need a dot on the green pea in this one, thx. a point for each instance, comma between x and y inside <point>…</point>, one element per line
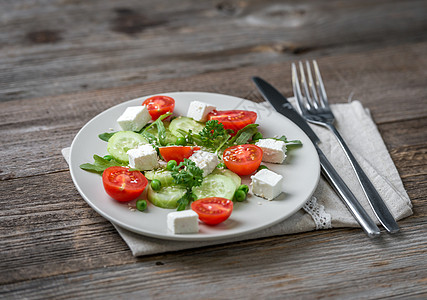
<point>141,205</point>
<point>262,167</point>
<point>244,188</point>
<point>108,157</point>
<point>257,136</point>
<point>156,184</point>
<point>240,195</point>
<point>171,165</point>
<point>181,141</point>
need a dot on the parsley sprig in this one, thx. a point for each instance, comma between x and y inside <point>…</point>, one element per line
<point>212,131</point>
<point>188,175</point>
<point>212,137</point>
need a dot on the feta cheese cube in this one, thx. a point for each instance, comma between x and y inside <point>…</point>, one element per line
<point>274,151</point>
<point>185,221</point>
<point>134,118</point>
<point>143,158</point>
<point>267,184</point>
<point>199,111</point>
<point>206,161</point>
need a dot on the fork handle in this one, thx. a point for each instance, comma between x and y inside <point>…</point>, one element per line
<point>356,209</point>
<point>377,204</point>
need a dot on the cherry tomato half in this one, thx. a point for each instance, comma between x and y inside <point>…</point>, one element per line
<point>159,105</point>
<point>122,184</point>
<point>233,119</point>
<point>243,159</point>
<point>177,153</point>
<point>213,210</point>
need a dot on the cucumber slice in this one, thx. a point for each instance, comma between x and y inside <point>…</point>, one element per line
<point>236,178</point>
<point>216,185</point>
<point>166,197</point>
<point>185,124</point>
<point>164,176</point>
<point>123,141</point>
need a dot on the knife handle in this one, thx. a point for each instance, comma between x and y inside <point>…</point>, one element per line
<point>356,209</point>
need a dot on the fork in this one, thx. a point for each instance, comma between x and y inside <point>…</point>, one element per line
<point>314,107</point>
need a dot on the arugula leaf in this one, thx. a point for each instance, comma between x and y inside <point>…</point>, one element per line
<point>191,138</point>
<point>243,135</point>
<point>106,136</point>
<point>151,138</point>
<point>161,131</point>
<point>188,175</point>
<point>100,164</point>
<point>289,144</point>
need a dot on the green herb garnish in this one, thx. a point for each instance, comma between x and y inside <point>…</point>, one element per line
<point>188,175</point>
<point>160,139</point>
<point>212,131</point>
<point>212,137</point>
<point>100,164</point>
<point>106,136</point>
<point>289,144</point>
<point>244,135</point>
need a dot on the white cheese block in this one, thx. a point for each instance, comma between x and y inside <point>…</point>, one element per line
<point>274,151</point>
<point>134,118</point>
<point>185,221</point>
<point>267,184</point>
<point>206,161</point>
<point>143,158</point>
<point>199,111</point>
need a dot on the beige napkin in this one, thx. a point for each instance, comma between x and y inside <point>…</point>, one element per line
<point>324,210</point>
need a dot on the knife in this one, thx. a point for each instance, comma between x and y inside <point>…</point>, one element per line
<point>282,105</point>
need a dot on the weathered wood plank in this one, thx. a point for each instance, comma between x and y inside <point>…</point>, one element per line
<point>64,61</point>
<point>284,266</point>
<point>80,45</point>
<point>50,221</point>
<point>46,125</point>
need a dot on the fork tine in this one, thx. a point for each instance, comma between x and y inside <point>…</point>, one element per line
<point>315,100</point>
<point>303,81</point>
<point>297,89</point>
<point>320,86</point>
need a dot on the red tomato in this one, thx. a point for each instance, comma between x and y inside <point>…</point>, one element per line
<point>122,184</point>
<point>213,210</point>
<point>233,119</point>
<point>177,153</point>
<point>159,105</point>
<point>243,159</point>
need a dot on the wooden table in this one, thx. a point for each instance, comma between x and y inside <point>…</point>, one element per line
<point>62,62</point>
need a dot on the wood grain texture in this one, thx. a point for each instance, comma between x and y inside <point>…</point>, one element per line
<point>52,47</point>
<point>62,62</point>
<point>50,123</point>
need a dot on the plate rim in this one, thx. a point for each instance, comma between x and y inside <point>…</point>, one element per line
<point>189,237</point>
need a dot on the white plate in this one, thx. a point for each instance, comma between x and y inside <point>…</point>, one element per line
<point>301,172</point>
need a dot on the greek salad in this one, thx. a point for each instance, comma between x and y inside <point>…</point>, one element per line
<point>194,161</point>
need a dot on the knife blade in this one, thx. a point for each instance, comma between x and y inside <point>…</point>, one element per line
<point>282,105</point>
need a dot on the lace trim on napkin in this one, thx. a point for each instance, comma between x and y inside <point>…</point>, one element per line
<point>317,211</point>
